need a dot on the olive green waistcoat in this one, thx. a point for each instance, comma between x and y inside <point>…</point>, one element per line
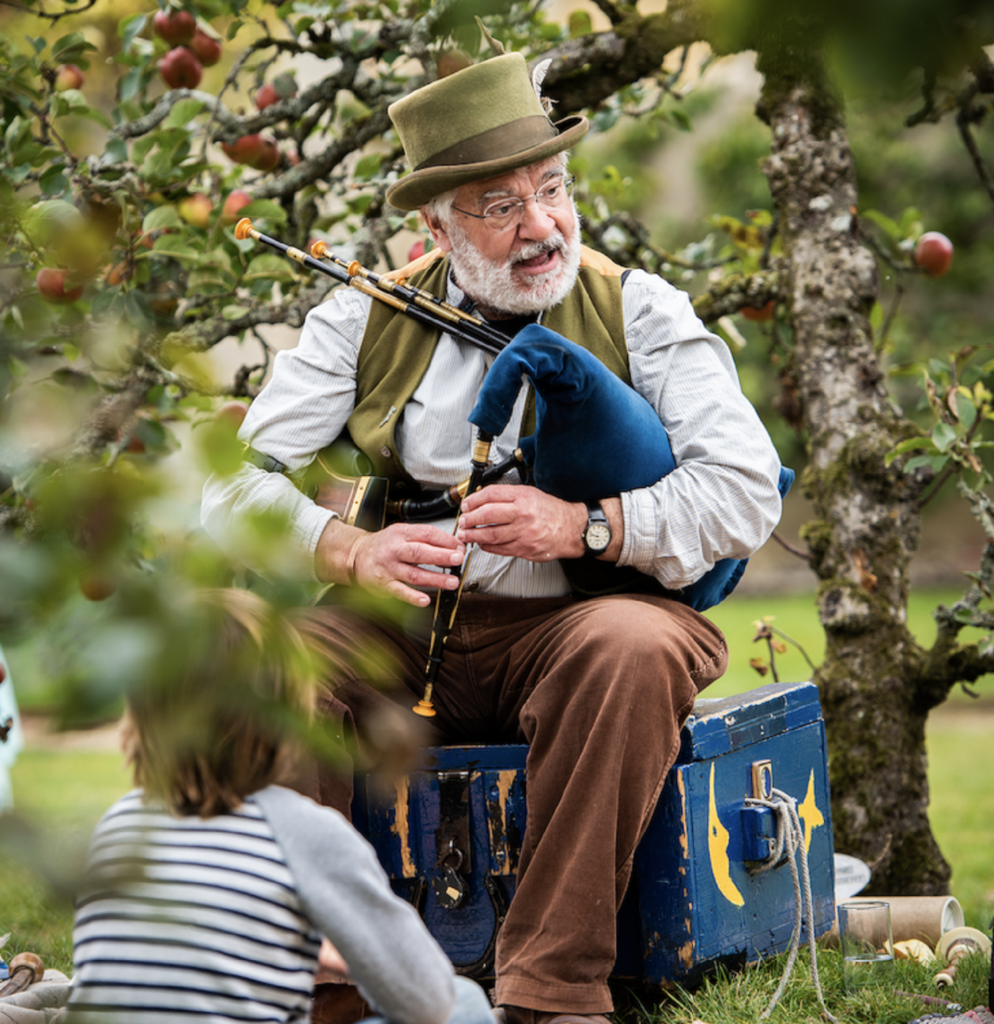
<point>396,350</point>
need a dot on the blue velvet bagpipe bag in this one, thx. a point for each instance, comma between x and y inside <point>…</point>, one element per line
<point>595,436</point>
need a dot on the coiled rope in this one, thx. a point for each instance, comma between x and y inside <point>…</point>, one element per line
<point>790,842</point>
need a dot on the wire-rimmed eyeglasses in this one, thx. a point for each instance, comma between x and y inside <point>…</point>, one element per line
<point>507,212</point>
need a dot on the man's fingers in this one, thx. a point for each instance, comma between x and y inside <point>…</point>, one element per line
<point>420,578</point>
<point>427,554</point>
<point>490,498</point>
<point>391,561</point>
<point>423,533</point>
<point>490,493</point>
<point>410,544</point>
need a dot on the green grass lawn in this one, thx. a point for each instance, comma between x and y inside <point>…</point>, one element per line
<point>797,616</point>
<point>62,792</point>
<point>59,796</point>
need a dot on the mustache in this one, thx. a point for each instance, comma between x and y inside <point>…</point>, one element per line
<point>529,252</point>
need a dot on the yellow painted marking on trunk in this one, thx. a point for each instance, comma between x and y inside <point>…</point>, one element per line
<point>402,826</point>
<point>683,837</point>
<point>809,814</point>
<point>718,852</point>
<point>499,846</point>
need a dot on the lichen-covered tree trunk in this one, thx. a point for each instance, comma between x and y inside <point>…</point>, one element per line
<point>867,525</point>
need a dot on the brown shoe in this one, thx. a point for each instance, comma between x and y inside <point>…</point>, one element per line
<point>338,1004</point>
<point>572,1018</point>
<point>522,1015</point>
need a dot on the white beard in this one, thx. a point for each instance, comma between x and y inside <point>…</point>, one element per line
<point>491,282</point>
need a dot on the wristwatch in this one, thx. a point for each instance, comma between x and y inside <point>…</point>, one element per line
<point>597,535</point>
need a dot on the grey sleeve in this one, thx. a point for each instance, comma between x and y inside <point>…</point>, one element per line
<point>399,968</point>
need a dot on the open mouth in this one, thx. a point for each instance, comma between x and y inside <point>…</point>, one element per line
<point>544,260</point>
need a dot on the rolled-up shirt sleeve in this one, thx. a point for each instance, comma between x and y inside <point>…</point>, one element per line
<point>301,410</point>
<point>722,499</point>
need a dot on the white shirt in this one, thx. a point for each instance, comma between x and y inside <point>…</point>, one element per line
<point>720,502</point>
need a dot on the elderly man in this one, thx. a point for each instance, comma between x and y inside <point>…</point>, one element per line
<point>598,687</point>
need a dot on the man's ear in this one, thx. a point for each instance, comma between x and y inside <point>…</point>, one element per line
<point>436,229</point>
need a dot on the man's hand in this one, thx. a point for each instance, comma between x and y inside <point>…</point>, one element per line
<point>525,522</point>
<point>389,560</point>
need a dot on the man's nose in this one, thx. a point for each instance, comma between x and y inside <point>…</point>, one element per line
<point>536,221</point>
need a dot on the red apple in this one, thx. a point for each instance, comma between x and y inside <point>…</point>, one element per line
<point>256,151</point>
<point>181,69</point>
<point>266,96</point>
<point>451,61</point>
<point>176,27</point>
<point>96,586</point>
<point>282,87</point>
<point>269,158</point>
<point>68,76</point>
<point>232,413</point>
<point>117,274</point>
<point>196,210</point>
<point>207,48</point>
<point>934,253</point>
<point>135,445</point>
<point>416,251</point>
<point>51,283</point>
<point>234,202</point>
<point>243,150</point>
<point>763,313</point>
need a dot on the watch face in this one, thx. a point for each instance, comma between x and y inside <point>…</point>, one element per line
<point>598,536</point>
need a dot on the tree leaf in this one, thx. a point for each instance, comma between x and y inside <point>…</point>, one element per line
<point>966,409</point>
<point>182,113</point>
<point>938,463</point>
<point>52,217</point>
<point>129,28</point>
<point>161,217</point>
<point>265,209</point>
<point>909,445</point>
<point>885,223</point>
<point>943,435</point>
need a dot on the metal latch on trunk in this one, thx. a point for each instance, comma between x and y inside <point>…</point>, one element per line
<point>453,841</point>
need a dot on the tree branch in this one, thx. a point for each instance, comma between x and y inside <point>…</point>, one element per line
<point>806,555</point>
<point>731,293</point>
<point>53,18</point>
<point>948,663</point>
<point>587,70</point>
<point>969,114</point>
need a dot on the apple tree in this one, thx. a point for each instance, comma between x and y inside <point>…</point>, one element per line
<point>129,153</point>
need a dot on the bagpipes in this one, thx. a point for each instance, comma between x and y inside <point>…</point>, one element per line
<point>595,436</point>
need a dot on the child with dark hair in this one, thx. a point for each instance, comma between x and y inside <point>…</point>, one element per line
<point>209,890</point>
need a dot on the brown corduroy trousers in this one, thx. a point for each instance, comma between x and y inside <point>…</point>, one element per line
<point>599,690</point>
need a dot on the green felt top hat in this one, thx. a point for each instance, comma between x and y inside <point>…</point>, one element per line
<point>481,121</point>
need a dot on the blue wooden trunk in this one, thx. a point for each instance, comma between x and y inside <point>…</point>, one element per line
<point>449,834</point>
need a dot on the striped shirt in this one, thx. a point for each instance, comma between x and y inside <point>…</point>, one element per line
<point>720,502</point>
<point>184,918</point>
